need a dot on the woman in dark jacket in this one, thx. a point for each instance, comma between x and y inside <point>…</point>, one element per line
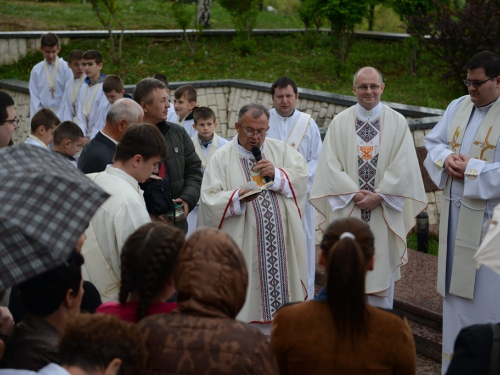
<point>202,335</point>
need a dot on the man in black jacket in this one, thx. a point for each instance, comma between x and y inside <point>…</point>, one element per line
<point>181,169</point>
<point>99,152</point>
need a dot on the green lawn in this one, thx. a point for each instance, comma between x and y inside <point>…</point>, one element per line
<point>294,56</point>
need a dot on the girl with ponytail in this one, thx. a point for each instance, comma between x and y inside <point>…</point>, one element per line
<point>147,263</point>
<point>338,332</point>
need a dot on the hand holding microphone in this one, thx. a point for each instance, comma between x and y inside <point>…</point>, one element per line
<point>264,166</point>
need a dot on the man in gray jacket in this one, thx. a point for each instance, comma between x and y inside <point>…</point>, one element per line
<point>181,169</point>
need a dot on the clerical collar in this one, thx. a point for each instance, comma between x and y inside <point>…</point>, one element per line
<point>486,108</point>
<point>285,117</point>
<point>243,151</point>
<point>206,144</point>
<point>369,114</point>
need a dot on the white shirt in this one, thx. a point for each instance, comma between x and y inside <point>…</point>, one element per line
<point>66,111</point>
<point>100,104</point>
<point>50,369</point>
<point>40,94</point>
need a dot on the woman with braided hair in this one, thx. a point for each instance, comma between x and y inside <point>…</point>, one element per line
<point>339,332</point>
<point>147,263</point>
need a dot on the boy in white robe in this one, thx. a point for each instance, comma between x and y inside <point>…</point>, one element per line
<point>91,99</point>
<point>266,226</point>
<point>48,77</point>
<point>184,105</point>
<point>67,111</point>
<point>206,142</point>
<point>43,125</point>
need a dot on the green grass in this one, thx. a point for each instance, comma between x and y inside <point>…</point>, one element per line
<point>294,56</point>
<point>411,241</point>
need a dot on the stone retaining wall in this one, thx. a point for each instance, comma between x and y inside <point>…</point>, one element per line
<point>226,97</point>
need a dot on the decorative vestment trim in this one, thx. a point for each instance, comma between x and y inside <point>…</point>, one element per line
<point>299,130</point>
<point>228,205</point>
<point>470,220</point>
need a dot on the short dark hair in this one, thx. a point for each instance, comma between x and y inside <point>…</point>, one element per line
<point>44,117</point>
<point>161,77</point>
<point>203,113</point>
<point>91,342</point>
<point>67,130</point>
<point>186,90</point>
<point>5,101</point>
<point>145,140</point>
<point>49,40</point>
<point>43,294</point>
<point>144,90</point>
<point>487,60</point>
<point>255,110</point>
<point>76,54</point>
<point>93,54</point>
<point>112,82</point>
<point>282,83</point>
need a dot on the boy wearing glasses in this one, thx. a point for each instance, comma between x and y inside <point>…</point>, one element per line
<point>368,168</point>
<point>8,119</point>
<point>464,160</point>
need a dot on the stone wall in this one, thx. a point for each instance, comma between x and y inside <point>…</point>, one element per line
<point>228,96</point>
<point>15,48</point>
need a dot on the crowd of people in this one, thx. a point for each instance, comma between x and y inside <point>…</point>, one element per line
<point>202,259</point>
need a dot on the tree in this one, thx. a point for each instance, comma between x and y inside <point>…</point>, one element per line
<point>409,8</point>
<point>203,13</point>
<point>311,15</point>
<point>183,19</point>
<point>244,17</point>
<point>455,33</point>
<point>107,12</point>
<point>343,15</point>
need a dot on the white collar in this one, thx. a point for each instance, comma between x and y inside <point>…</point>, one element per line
<point>486,108</point>
<point>369,114</point>
<point>107,136</point>
<point>244,152</point>
<point>285,118</point>
<point>122,174</point>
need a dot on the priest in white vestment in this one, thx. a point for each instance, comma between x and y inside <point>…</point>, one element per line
<point>299,131</point>
<point>368,168</point>
<point>464,160</point>
<point>266,226</point>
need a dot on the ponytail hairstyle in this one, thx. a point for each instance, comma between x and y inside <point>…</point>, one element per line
<point>347,259</point>
<point>147,261</point>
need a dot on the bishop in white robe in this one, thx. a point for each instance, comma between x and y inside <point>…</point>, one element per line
<point>266,226</point>
<point>368,155</point>
<point>467,137</point>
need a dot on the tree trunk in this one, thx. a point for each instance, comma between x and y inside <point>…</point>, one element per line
<point>203,14</point>
<point>371,17</point>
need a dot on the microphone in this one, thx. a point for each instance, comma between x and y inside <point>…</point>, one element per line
<point>258,156</point>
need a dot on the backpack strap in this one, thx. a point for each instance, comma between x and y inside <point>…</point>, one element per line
<point>495,350</point>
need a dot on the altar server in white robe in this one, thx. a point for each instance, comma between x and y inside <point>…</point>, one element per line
<point>464,160</point>
<point>298,130</point>
<point>67,111</point>
<point>368,168</point>
<point>48,77</point>
<point>206,142</point>
<point>266,226</point>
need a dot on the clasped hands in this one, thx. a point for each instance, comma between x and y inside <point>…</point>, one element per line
<point>367,200</point>
<point>455,165</point>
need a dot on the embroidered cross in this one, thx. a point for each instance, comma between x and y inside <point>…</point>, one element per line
<point>52,91</point>
<point>454,143</point>
<point>485,145</point>
<point>367,152</point>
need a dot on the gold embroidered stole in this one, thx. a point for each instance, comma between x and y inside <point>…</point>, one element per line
<point>299,131</point>
<point>470,220</point>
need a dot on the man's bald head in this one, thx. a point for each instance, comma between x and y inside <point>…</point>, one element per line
<point>368,87</point>
<point>365,70</point>
<point>124,109</point>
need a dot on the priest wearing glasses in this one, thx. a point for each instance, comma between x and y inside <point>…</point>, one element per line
<point>464,160</point>
<point>368,169</point>
<point>267,225</point>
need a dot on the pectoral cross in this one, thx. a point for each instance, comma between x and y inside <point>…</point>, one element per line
<point>52,90</point>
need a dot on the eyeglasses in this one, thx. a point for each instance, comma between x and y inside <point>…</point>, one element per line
<point>16,120</point>
<point>365,87</point>
<point>475,83</point>
<point>257,133</point>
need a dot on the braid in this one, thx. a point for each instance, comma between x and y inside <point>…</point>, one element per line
<point>158,269</point>
<point>147,261</point>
